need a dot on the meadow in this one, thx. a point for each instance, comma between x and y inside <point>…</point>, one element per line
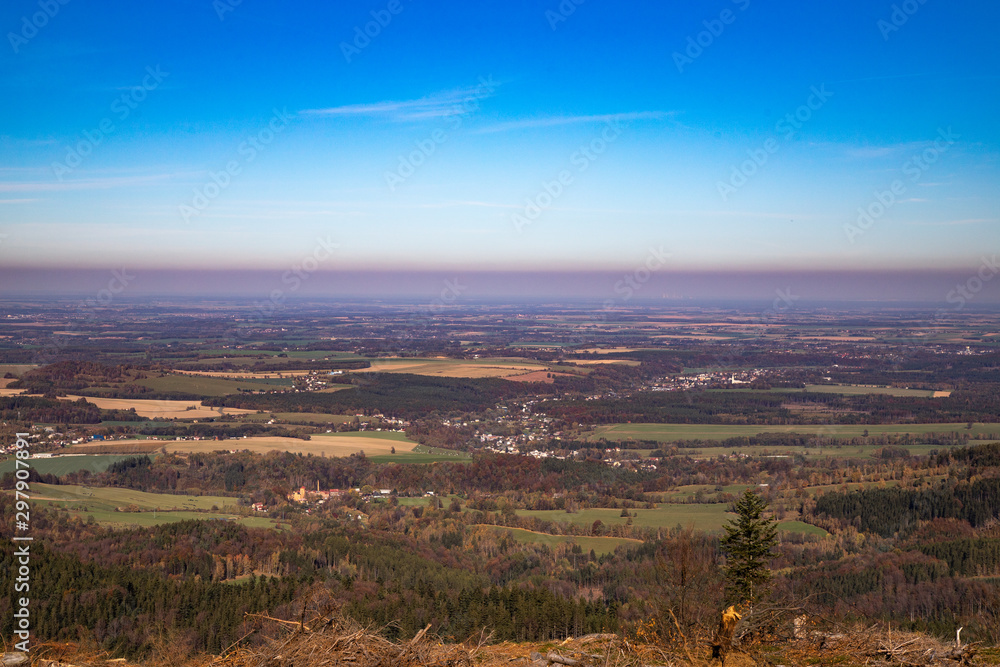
<point>857,390</point>
<point>155,509</point>
<point>372,443</point>
<point>599,545</point>
<point>304,417</point>
<point>422,454</point>
<point>159,409</point>
<point>501,367</point>
<point>63,465</point>
<point>674,432</point>
<point>206,385</point>
<point>708,517</point>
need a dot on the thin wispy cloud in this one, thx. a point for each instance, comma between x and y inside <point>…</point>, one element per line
<point>964,221</point>
<point>869,152</point>
<point>438,105</point>
<point>555,121</point>
<point>82,184</point>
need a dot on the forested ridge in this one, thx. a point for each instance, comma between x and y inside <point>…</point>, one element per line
<point>40,410</point>
<point>392,394</point>
<point>747,406</point>
<point>892,510</point>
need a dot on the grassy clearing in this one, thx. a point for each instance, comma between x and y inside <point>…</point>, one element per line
<point>687,493</point>
<point>703,517</point>
<point>138,425</point>
<point>465,368</point>
<point>372,443</point>
<point>154,508</point>
<point>63,465</point>
<point>673,432</point>
<point>422,454</point>
<point>156,409</point>
<point>211,386</point>
<point>304,418</point>
<point>707,517</point>
<point>425,501</point>
<point>855,390</point>
<point>109,498</point>
<point>813,453</point>
<point>597,362</point>
<point>599,545</point>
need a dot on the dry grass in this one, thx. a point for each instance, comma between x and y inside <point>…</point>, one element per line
<point>452,368</point>
<point>326,638</point>
<point>244,376</point>
<point>537,376</point>
<point>164,409</point>
<point>593,362</point>
<point>330,639</point>
<point>318,446</point>
<point>877,645</point>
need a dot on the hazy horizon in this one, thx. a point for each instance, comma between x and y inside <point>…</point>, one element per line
<point>947,290</point>
<point>729,150</point>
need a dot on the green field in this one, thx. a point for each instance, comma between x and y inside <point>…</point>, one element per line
<point>702,517</point>
<point>63,465</point>
<point>673,432</point>
<point>837,451</point>
<point>855,390</point>
<point>707,517</point>
<point>251,357</point>
<point>155,508</point>
<point>304,417</point>
<point>599,545</point>
<point>139,425</point>
<point>447,367</point>
<point>211,386</point>
<point>112,497</point>
<point>422,454</point>
<point>373,435</point>
<point>686,493</point>
<point>425,501</point>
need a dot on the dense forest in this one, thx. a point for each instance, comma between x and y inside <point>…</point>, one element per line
<point>39,410</point>
<point>746,406</point>
<point>392,394</point>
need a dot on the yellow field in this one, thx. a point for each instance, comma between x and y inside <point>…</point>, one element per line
<point>320,445</point>
<point>243,376</point>
<point>455,368</point>
<point>591,362</point>
<point>693,337</point>
<point>160,409</point>
<point>942,394</point>
<point>837,338</point>
<point>10,392</point>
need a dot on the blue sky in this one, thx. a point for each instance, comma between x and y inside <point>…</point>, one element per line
<point>500,136</point>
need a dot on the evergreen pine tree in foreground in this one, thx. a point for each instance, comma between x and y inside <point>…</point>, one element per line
<point>749,546</point>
